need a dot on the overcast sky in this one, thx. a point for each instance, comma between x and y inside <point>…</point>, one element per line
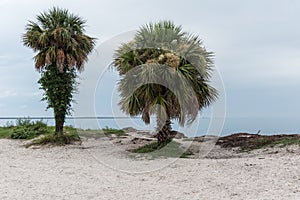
<point>256,45</point>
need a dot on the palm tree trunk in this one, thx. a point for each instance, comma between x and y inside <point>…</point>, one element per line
<point>163,131</point>
<point>59,125</point>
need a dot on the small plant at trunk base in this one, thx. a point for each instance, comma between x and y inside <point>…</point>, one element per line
<point>57,140</point>
<point>169,149</point>
<point>62,49</point>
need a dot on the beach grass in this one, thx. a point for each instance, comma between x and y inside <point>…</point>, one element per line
<point>172,149</point>
<point>5,132</point>
<point>249,142</point>
<point>264,143</point>
<point>286,142</point>
<point>100,133</point>
<point>111,131</point>
<point>67,138</point>
<point>40,133</point>
<point>70,136</point>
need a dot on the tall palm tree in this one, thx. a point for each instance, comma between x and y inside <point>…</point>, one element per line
<point>164,71</point>
<point>62,49</point>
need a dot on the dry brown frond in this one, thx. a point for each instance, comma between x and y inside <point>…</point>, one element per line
<point>60,59</point>
<point>152,60</point>
<point>39,62</point>
<point>71,62</point>
<point>79,64</point>
<point>48,59</point>
<point>172,60</point>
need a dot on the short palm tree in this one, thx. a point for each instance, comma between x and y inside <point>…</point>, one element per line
<point>62,49</point>
<point>166,72</point>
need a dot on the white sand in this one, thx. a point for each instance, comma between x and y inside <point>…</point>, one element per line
<point>86,173</point>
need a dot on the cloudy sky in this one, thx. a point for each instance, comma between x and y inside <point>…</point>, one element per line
<point>256,45</point>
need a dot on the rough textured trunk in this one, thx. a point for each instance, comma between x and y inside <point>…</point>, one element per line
<point>59,125</point>
<point>163,131</point>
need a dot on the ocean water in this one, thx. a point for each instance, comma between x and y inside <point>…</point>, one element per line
<point>201,126</point>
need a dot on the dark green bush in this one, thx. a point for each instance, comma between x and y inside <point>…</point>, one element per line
<point>26,129</point>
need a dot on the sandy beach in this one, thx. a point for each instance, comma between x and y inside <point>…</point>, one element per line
<point>95,170</point>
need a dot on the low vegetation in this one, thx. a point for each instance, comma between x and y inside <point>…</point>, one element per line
<point>248,142</point>
<point>172,149</point>
<point>100,133</point>
<point>57,140</point>
<point>70,136</point>
<point>41,134</point>
<point>111,131</point>
<point>5,132</point>
<point>26,129</point>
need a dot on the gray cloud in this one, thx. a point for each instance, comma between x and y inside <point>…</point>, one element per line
<point>256,44</point>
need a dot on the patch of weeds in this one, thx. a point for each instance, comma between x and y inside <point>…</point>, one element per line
<point>5,132</point>
<point>111,131</point>
<point>287,141</point>
<point>265,143</point>
<point>56,140</point>
<point>148,148</point>
<point>89,133</point>
<point>257,143</point>
<point>247,142</point>
<point>69,128</point>
<point>171,149</point>
<point>187,154</point>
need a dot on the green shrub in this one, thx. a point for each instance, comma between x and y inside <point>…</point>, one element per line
<point>26,129</point>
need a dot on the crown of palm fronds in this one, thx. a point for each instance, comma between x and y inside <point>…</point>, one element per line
<point>59,39</point>
<point>182,88</point>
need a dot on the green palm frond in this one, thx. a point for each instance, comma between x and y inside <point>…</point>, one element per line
<point>59,35</point>
<point>165,66</point>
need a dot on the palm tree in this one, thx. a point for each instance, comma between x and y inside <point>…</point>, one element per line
<point>62,49</point>
<point>164,71</point>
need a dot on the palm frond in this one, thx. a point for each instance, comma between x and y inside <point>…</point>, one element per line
<point>168,67</point>
<point>60,36</point>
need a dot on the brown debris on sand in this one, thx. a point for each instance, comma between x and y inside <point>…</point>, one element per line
<point>219,147</point>
<point>246,141</point>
